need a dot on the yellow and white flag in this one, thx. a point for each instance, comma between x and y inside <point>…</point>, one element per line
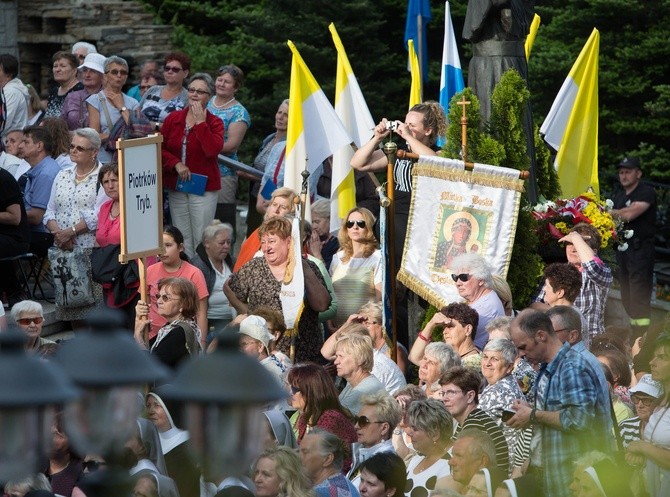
<point>415,88</point>
<point>314,130</point>
<point>571,127</point>
<point>350,106</point>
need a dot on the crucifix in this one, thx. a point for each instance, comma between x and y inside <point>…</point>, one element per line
<point>464,129</point>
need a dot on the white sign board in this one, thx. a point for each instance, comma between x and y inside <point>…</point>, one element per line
<point>141,197</point>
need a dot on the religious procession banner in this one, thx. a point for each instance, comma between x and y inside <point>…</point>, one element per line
<point>453,212</point>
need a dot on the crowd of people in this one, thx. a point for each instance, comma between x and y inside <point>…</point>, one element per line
<point>484,400</point>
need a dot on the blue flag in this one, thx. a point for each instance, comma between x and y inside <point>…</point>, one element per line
<point>451,79</point>
<point>418,15</point>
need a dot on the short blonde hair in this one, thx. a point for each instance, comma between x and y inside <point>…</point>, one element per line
<point>359,347</point>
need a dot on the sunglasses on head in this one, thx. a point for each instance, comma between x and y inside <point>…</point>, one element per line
<point>27,321</point>
<point>463,277</point>
<point>363,421</point>
<point>360,224</point>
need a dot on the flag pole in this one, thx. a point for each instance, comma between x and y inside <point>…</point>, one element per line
<point>469,166</point>
<point>419,25</point>
<point>301,200</point>
<point>390,150</point>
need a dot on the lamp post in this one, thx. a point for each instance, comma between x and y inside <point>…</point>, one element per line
<point>223,394</point>
<point>30,388</point>
<point>106,363</point>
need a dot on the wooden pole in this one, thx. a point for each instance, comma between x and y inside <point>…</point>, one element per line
<point>390,149</point>
<point>469,166</point>
<point>464,129</point>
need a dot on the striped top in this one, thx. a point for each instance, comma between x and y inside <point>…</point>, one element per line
<point>630,430</point>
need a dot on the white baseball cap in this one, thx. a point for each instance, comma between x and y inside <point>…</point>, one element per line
<point>649,386</point>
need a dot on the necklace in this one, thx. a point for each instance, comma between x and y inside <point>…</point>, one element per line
<point>81,177</point>
<point>474,349</point>
<point>223,104</point>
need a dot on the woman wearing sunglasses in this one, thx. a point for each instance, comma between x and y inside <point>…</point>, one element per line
<point>356,269</point>
<point>29,316</point>
<point>159,101</point>
<point>177,301</point>
<point>192,141</point>
<point>378,417</point>
<point>111,104</point>
<point>473,278</point>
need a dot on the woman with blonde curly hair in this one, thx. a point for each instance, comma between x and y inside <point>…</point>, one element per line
<point>278,472</point>
<point>356,269</point>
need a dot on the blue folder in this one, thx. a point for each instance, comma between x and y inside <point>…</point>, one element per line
<point>196,185</point>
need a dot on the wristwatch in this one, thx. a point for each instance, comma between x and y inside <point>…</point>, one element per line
<point>123,109</point>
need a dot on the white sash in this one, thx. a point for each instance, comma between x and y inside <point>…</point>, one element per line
<point>292,291</point>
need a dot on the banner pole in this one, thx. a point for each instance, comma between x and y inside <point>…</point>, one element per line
<point>390,149</point>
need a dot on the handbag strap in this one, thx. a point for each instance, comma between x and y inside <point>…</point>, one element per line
<point>103,100</point>
<point>278,166</point>
<point>617,432</point>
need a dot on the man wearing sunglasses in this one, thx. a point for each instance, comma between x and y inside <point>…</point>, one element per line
<point>29,317</point>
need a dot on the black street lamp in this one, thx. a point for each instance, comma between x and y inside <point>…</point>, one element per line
<point>106,363</point>
<point>30,391</point>
<point>224,394</point>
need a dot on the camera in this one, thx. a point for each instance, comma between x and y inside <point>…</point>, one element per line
<point>507,414</point>
<point>392,126</point>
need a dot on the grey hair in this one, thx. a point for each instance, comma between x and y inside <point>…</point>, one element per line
<point>321,208</point>
<point>330,444</point>
<point>445,355</point>
<point>284,102</point>
<point>28,306</point>
<point>500,323</point>
<point>387,409</point>
<point>431,416</point>
<point>90,134</point>
<point>372,309</point>
<point>84,44</point>
<point>507,349</point>
<point>203,76</point>
<point>481,445</point>
<point>36,481</point>
<point>214,228</point>
<point>476,265</point>
<point>115,59</point>
<point>569,318</point>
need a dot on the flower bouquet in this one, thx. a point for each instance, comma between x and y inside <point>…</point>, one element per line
<point>556,219</point>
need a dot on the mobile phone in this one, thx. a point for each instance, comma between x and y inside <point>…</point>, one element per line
<point>507,414</point>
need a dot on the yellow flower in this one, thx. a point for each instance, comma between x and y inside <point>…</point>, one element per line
<point>562,227</point>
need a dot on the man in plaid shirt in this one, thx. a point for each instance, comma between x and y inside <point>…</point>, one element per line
<point>571,413</point>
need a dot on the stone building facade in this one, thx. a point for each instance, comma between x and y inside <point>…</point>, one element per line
<point>43,27</point>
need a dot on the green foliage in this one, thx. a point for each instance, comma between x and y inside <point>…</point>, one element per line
<point>508,102</point>
<point>547,177</point>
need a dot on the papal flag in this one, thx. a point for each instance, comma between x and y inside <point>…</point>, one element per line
<point>530,39</point>
<point>571,127</point>
<point>415,88</point>
<point>350,106</point>
<point>314,130</point>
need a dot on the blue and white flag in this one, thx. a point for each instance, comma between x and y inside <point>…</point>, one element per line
<point>451,80</point>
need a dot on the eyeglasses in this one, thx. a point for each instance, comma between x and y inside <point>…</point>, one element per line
<point>172,69</point>
<point>93,465</point>
<point>463,277</point>
<point>80,57</point>
<point>116,72</point>
<point>360,224</point>
<point>363,421</point>
<point>560,330</point>
<point>450,393</point>
<point>295,390</point>
<point>646,401</point>
<point>27,321</point>
<point>199,92</point>
<point>164,297</point>
<point>79,148</point>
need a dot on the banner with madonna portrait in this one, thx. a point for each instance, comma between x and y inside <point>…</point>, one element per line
<point>453,212</point>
